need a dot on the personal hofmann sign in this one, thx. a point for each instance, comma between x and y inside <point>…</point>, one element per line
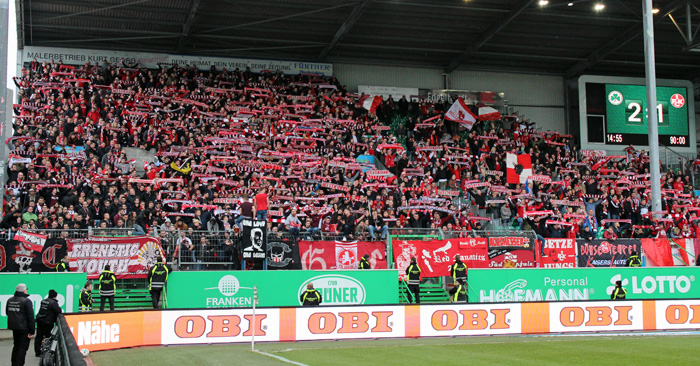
<point>226,289</point>
<point>563,284</point>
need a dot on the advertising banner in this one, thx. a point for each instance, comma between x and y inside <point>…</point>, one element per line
<point>77,56</point>
<point>225,289</point>
<point>559,253</point>
<point>254,239</point>
<point>18,256</point>
<point>67,285</point>
<point>582,284</point>
<point>103,331</point>
<point>606,253</point>
<point>436,256</point>
<point>341,255</point>
<point>128,257</point>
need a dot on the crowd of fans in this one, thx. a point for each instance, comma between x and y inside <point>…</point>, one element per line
<point>306,153</point>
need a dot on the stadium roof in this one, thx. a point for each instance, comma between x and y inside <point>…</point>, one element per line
<point>565,37</point>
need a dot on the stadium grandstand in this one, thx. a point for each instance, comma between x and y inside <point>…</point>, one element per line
<point>233,138</point>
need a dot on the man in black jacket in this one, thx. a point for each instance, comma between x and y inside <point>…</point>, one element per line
<point>107,282</point>
<point>45,320</point>
<point>63,265</point>
<point>157,278</point>
<point>20,319</point>
<point>311,297</point>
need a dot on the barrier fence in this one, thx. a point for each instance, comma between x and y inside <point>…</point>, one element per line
<point>172,327</point>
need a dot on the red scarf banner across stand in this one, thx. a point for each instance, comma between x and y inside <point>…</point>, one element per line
<point>341,255</point>
<point>436,256</point>
<point>128,257</point>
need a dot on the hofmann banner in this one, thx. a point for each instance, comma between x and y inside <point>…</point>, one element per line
<point>227,289</point>
<point>563,284</point>
<point>67,285</point>
<point>73,56</point>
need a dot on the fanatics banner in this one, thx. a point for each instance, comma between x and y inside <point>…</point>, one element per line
<point>128,257</point>
<point>254,239</point>
<point>19,256</point>
<point>436,256</point>
<point>341,255</point>
<point>606,253</point>
<point>559,253</point>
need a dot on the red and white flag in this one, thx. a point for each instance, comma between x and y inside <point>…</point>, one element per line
<point>460,113</point>
<point>519,168</point>
<point>371,103</point>
<point>35,242</point>
<point>488,114</point>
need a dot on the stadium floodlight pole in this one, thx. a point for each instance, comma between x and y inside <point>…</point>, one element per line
<point>650,66</point>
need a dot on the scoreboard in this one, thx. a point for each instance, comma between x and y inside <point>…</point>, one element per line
<point>614,112</point>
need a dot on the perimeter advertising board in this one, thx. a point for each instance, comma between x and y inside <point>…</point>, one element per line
<point>67,285</point>
<point>562,284</point>
<point>225,289</point>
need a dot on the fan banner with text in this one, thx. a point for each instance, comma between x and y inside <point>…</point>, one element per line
<point>341,255</point>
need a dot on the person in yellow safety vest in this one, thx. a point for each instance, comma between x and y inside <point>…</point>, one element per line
<point>157,278</point>
<point>633,260</point>
<point>86,300</point>
<point>458,270</point>
<point>413,273</point>
<point>364,262</point>
<point>311,297</point>
<point>63,265</point>
<point>107,281</point>
<point>619,293</point>
<point>459,292</point>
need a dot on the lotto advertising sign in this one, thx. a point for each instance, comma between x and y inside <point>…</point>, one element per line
<point>103,331</point>
<point>214,289</point>
<point>67,285</point>
<point>563,284</point>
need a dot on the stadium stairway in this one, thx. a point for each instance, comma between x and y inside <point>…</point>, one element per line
<point>429,293</point>
<point>130,295</point>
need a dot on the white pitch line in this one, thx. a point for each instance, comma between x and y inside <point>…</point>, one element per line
<point>280,358</point>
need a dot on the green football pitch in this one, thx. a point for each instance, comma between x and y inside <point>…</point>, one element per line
<point>637,349</point>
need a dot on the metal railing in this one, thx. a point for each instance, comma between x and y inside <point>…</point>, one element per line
<point>67,351</point>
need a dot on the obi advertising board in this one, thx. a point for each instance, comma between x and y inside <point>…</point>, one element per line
<point>67,285</point>
<point>102,331</point>
<point>563,284</point>
<point>225,289</point>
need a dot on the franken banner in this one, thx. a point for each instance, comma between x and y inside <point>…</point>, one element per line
<point>563,284</point>
<point>214,289</point>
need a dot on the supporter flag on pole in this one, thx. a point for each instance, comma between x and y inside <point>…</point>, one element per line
<point>488,114</point>
<point>33,241</point>
<point>460,113</point>
<point>519,168</point>
<point>371,103</point>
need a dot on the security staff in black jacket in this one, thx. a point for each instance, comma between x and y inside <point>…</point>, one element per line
<point>459,292</point>
<point>458,270</point>
<point>311,297</point>
<point>20,319</point>
<point>619,292</point>
<point>364,262</point>
<point>107,281</point>
<point>86,300</point>
<point>413,273</point>
<point>633,260</point>
<point>157,278</point>
<point>45,320</point>
<point>63,265</point>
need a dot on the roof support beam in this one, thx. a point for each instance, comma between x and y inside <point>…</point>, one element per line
<point>100,9</point>
<point>345,27</point>
<point>186,27</point>
<point>19,16</point>
<point>491,31</point>
<point>620,41</point>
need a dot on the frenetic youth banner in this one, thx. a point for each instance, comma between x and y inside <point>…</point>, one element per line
<point>283,253</point>
<point>436,256</point>
<point>606,253</point>
<point>128,257</point>
<point>18,256</point>
<point>341,255</point>
<point>254,239</point>
<point>559,253</point>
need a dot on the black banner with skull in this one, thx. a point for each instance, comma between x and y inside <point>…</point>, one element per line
<point>283,253</point>
<point>254,239</point>
<point>17,256</point>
